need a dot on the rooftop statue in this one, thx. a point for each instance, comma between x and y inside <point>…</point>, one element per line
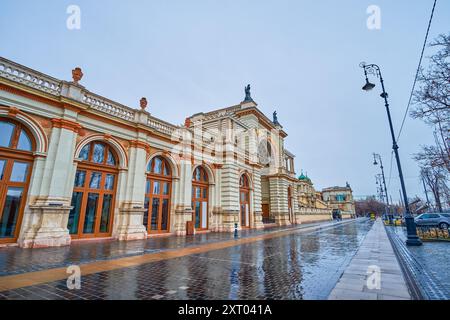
<point>275,118</point>
<point>247,94</point>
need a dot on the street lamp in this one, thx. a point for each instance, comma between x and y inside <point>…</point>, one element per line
<point>375,157</point>
<point>412,238</point>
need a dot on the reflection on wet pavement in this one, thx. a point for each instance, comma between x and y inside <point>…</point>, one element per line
<point>296,266</point>
<point>14,260</point>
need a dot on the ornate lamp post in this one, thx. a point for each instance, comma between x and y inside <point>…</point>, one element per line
<point>412,239</point>
<point>375,157</point>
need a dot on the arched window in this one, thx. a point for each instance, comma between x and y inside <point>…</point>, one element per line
<point>200,175</point>
<point>94,192</point>
<point>200,187</point>
<point>98,152</point>
<point>243,182</point>
<point>244,200</point>
<point>157,196</point>
<point>159,165</point>
<point>16,161</point>
<point>265,153</point>
<point>15,136</point>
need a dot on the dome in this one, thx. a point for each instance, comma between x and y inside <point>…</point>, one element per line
<point>302,177</point>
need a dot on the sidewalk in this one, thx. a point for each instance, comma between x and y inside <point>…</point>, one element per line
<point>375,251</point>
<point>14,260</point>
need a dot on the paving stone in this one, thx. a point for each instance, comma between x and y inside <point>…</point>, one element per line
<point>353,283</point>
<point>303,265</point>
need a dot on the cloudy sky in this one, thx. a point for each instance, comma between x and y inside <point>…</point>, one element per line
<point>301,58</point>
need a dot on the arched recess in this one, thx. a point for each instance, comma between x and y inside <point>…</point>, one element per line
<point>95,189</point>
<point>267,151</point>
<point>245,200</point>
<point>172,163</point>
<point>116,145</point>
<point>158,194</point>
<point>32,125</point>
<point>249,177</point>
<point>201,196</point>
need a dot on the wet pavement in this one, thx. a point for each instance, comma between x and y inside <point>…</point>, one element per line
<point>432,261</point>
<point>15,260</point>
<point>300,265</point>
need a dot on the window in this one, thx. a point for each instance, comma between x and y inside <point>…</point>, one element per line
<point>7,130</point>
<point>157,196</point>
<point>15,136</point>
<point>244,201</point>
<point>159,165</point>
<point>98,152</point>
<point>200,188</point>
<point>243,182</point>
<point>16,162</point>
<point>94,192</point>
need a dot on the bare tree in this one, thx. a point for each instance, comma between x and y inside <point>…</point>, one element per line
<point>432,104</point>
<point>435,179</point>
<point>369,205</point>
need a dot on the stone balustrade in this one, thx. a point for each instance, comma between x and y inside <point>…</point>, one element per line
<point>42,82</point>
<point>17,73</point>
<point>107,106</point>
<point>161,126</point>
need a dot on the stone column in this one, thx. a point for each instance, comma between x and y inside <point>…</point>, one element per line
<point>295,206</point>
<point>52,185</point>
<point>183,198</point>
<point>129,221</point>
<point>229,189</point>
<point>279,200</point>
<point>257,200</point>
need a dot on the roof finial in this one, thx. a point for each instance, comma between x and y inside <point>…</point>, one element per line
<point>77,75</point>
<point>143,103</point>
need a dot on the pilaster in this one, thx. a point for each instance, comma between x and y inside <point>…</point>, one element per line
<point>129,223</point>
<point>45,222</point>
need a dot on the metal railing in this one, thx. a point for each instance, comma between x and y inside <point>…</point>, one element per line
<point>431,233</point>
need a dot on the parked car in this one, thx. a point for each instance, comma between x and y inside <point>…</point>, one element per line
<point>442,220</point>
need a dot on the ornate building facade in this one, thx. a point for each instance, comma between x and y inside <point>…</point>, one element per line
<point>76,165</point>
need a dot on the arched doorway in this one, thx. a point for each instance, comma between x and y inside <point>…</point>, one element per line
<point>244,200</point>
<point>200,198</point>
<point>16,161</point>
<point>157,196</point>
<point>94,192</point>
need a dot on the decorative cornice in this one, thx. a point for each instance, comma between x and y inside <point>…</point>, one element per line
<point>32,94</point>
<point>140,145</point>
<point>66,124</point>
